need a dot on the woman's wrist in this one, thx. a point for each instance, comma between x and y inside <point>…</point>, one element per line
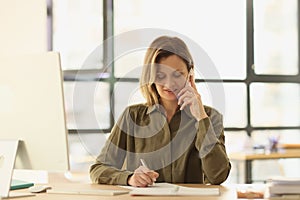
<point>128,179</point>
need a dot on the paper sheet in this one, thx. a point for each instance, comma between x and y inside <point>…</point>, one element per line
<point>167,189</point>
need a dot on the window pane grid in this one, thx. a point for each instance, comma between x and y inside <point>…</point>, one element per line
<point>288,74</point>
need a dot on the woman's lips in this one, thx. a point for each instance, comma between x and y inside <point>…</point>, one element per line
<point>170,91</point>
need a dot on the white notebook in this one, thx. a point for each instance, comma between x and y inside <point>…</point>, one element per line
<point>167,189</point>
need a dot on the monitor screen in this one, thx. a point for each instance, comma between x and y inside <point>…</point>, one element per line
<point>32,110</point>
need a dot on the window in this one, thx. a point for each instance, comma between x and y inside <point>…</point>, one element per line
<point>252,44</point>
<point>79,29</point>
<point>220,26</point>
<point>77,35</point>
<point>286,98</point>
<point>276,37</point>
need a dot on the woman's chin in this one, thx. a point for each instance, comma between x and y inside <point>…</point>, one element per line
<point>170,96</point>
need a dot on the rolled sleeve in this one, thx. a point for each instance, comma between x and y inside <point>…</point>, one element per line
<point>210,144</point>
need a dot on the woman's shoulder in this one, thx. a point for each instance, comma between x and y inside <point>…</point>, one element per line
<point>137,108</point>
<point>137,112</point>
<point>211,111</point>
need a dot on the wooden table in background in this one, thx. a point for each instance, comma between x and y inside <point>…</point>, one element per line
<point>248,157</point>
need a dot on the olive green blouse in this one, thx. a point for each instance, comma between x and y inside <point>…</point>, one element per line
<point>182,151</point>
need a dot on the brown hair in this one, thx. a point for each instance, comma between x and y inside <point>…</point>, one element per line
<point>161,47</point>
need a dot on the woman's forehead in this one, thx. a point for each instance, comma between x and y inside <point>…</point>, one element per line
<point>172,63</point>
<point>171,68</point>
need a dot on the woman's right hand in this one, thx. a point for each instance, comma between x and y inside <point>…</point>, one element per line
<point>142,177</point>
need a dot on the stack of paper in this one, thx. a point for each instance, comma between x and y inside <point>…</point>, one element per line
<point>280,187</point>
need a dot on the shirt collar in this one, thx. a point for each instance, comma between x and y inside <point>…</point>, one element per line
<point>159,108</point>
<point>154,107</point>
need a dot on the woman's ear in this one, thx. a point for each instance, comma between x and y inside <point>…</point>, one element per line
<point>191,75</point>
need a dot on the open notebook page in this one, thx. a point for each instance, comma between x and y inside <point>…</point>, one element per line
<point>167,189</point>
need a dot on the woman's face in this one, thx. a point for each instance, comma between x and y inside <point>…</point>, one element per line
<point>171,77</point>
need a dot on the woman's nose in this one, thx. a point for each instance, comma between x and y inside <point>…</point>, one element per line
<point>169,82</point>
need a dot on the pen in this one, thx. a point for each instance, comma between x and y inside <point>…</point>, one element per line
<point>145,165</point>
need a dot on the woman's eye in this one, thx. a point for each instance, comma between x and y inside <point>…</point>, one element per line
<point>177,74</point>
<point>160,76</point>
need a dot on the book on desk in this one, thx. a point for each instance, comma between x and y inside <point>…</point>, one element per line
<point>284,188</point>
<point>19,184</point>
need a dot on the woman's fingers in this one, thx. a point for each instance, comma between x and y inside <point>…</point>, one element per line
<point>142,177</point>
<point>186,102</point>
<point>188,96</point>
<point>154,175</point>
<point>185,95</point>
<point>182,91</point>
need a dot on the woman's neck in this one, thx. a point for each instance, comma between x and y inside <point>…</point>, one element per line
<point>170,108</point>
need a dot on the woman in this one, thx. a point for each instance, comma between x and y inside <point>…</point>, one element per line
<point>180,139</point>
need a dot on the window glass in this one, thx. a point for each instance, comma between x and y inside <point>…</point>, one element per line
<point>130,65</point>
<point>232,103</point>
<point>219,29</point>
<point>275,104</point>
<point>236,141</point>
<point>84,149</point>
<point>87,105</point>
<point>77,32</point>
<point>276,37</point>
<point>125,94</point>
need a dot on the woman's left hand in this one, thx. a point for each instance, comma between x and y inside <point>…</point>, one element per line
<point>190,96</point>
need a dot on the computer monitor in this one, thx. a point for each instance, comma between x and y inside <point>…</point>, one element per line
<point>32,110</point>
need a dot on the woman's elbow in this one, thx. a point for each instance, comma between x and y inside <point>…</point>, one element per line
<point>221,176</point>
